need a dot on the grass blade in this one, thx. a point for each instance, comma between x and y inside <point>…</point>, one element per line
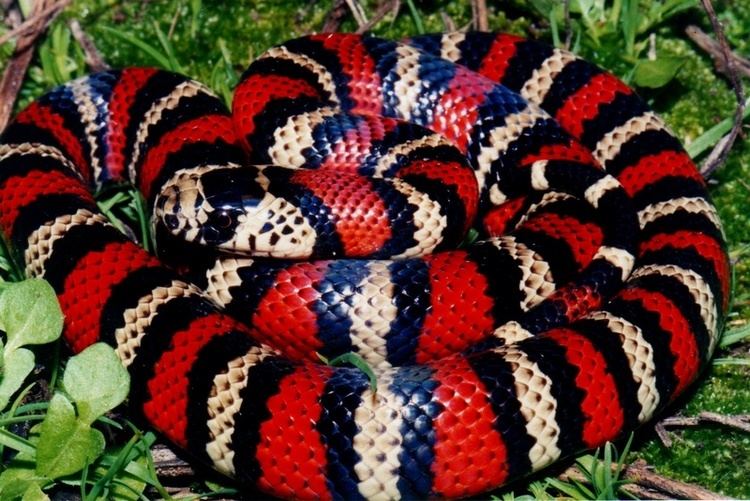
<point>168,48</point>
<point>714,134</point>
<point>736,335</point>
<point>16,443</point>
<point>732,361</point>
<point>161,59</point>
<point>416,17</point>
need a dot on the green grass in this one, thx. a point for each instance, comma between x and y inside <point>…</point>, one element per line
<point>214,41</point>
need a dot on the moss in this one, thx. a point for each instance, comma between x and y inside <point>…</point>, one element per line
<point>248,28</point>
<point>711,456</point>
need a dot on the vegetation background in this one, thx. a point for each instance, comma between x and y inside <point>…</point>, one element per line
<point>645,42</point>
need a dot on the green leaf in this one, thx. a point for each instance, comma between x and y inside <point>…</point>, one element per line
<point>18,479</point>
<point>471,236</point>
<point>34,493</point>
<point>656,73</point>
<point>30,313</point>
<point>16,366</point>
<point>66,444</point>
<point>96,381</point>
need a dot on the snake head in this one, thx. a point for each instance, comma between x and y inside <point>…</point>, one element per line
<point>229,208</point>
<point>208,205</point>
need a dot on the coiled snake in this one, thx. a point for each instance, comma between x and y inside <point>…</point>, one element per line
<point>593,298</point>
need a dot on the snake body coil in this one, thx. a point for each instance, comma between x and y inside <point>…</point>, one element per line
<point>594,298</point>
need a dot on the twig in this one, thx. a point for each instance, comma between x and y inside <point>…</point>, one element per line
<point>383,9</point>
<point>720,152</point>
<point>738,421</point>
<point>335,16</point>
<point>479,15</point>
<point>31,23</point>
<point>93,57</point>
<point>651,47</point>
<point>12,14</point>
<point>175,19</point>
<point>43,13</point>
<point>169,466</point>
<point>661,432</point>
<point>357,11</point>
<point>713,48</point>
<point>641,492</point>
<point>450,24</point>
<point>568,30</point>
<point>646,484</point>
<point>642,474</point>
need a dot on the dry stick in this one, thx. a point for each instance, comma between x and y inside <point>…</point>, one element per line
<point>93,57</point>
<point>14,73</point>
<point>479,15</point>
<point>713,48</point>
<point>567,21</point>
<point>13,18</point>
<point>640,492</point>
<point>169,466</point>
<point>12,15</point>
<point>651,47</point>
<point>641,474</point>
<point>31,23</point>
<point>720,152</point>
<point>358,12</point>
<point>335,16</point>
<point>175,19</point>
<point>738,421</point>
<point>647,484</point>
<point>450,24</point>
<point>383,9</point>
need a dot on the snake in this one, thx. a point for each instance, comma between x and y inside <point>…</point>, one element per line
<point>331,211</point>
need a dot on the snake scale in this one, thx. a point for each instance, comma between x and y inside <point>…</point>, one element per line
<point>594,296</point>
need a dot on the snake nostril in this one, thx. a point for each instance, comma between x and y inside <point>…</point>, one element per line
<point>171,221</point>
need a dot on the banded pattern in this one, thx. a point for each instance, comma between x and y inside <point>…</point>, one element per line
<point>492,361</point>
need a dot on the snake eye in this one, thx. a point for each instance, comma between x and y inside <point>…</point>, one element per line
<point>223,220</point>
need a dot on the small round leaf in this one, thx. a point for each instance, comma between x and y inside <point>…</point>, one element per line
<point>30,313</point>
<point>96,381</point>
<point>66,444</point>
